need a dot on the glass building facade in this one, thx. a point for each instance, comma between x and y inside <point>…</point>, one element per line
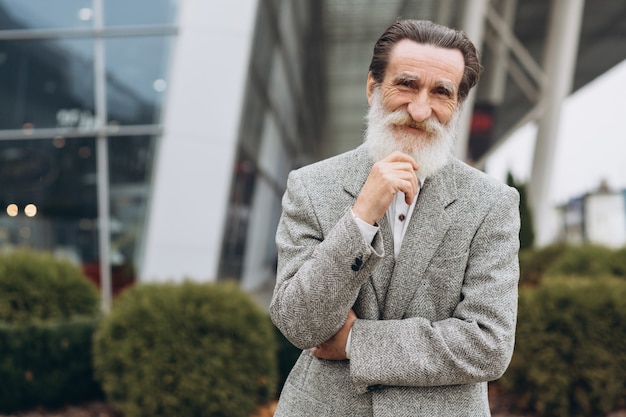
<point>82,86</point>
<point>113,150</point>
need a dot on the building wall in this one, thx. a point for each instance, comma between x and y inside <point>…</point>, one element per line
<point>197,150</point>
<point>605,219</point>
<point>281,126</point>
<point>597,218</point>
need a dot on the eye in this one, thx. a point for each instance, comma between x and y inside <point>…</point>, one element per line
<point>443,92</point>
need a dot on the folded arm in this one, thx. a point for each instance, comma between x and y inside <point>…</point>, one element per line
<point>476,343</point>
<point>318,279</point>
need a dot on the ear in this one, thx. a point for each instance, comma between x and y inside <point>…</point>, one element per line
<point>371,84</point>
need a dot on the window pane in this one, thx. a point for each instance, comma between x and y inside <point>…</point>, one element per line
<point>139,12</point>
<point>45,14</point>
<point>130,163</point>
<point>46,83</point>
<point>48,200</point>
<point>136,79</point>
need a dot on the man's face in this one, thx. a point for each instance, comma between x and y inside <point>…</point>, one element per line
<point>424,81</point>
<point>415,109</point>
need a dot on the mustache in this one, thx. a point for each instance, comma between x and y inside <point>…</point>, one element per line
<point>401,117</point>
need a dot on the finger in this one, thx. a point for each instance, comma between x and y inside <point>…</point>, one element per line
<point>409,186</point>
<point>398,156</point>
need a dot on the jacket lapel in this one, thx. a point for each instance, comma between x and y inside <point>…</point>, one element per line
<point>426,230</point>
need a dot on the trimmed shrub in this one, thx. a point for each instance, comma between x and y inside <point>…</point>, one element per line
<point>46,364</point>
<point>186,350</point>
<point>288,354</point>
<point>48,314</point>
<point>587,261</point>
<point>618,263</point>
<point>37,287</point>
<point>570,355</point>
<point>535,262</point>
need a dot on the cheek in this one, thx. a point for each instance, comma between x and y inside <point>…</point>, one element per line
<point>445,111</point>
<point>392,100</point>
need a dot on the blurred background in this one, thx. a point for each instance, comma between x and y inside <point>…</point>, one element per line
<point>150,140</point>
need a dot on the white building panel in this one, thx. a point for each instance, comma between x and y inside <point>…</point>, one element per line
<point>605,220</point>
<point>193,168</point>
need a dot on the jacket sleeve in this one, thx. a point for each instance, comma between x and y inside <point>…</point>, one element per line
<point>476,343</point>
<point>318,276</point>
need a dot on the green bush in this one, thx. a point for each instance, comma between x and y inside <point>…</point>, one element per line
<point>587,261</point>
<point>46,364</point>
<point>36,286</point>
<point>570,354</point>
<point>48,314</point>
<point>288,354</point>
<point>186,350</point>
<point>617,263</point>
<point>535,262</point>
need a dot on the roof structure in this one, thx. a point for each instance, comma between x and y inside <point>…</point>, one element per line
<point>351,28</point>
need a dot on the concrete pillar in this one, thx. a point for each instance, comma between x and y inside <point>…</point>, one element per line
<point>560,63</point>
<point>498,64</point>
<point>474,26</point>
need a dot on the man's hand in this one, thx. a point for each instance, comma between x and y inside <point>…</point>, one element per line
<point>335,347</point>
<point>394,173</point>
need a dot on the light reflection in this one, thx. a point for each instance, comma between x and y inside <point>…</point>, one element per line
<point>28,128</point>
<point>159,85</point>
<point>30,210</point>
<point>84,152</point>
<point>85,14</point>
<point>12,210</point>
<point>58,142</point>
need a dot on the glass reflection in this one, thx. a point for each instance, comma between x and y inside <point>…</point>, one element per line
<point>136,79</point>
<point>139,12</point>
<point>46,83</point>
<point>130,169</point>
<point>45,14</point>
<point>50,194</point>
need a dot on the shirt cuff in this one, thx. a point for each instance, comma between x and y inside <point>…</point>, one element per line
<point>367,230</point>
<point>348,344</point>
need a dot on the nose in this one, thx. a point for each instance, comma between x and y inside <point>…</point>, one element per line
<point>419,107</point>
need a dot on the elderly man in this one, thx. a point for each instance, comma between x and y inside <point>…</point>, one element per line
<point>398,267</point>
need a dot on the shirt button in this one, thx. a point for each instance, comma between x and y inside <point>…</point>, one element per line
<point>401,217</point>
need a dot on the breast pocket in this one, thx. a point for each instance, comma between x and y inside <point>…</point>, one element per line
<point>441,287</point>
<point>446,270</point>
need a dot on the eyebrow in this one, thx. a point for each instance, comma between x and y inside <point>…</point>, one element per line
<point>448,86</point>
<point>451,87</point>
<point>406,77</point>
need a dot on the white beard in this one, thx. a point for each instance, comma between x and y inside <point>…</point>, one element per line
<point>430,150</point>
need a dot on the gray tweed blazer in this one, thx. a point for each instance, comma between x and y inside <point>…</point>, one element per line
<point>435,324</point>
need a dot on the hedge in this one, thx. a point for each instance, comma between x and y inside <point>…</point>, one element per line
<point>186,349</point>
<point>48,313</point>
<point>570,354</point>
<point>35,286</point>
<point>558,260</point>
<point>47,364</point>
